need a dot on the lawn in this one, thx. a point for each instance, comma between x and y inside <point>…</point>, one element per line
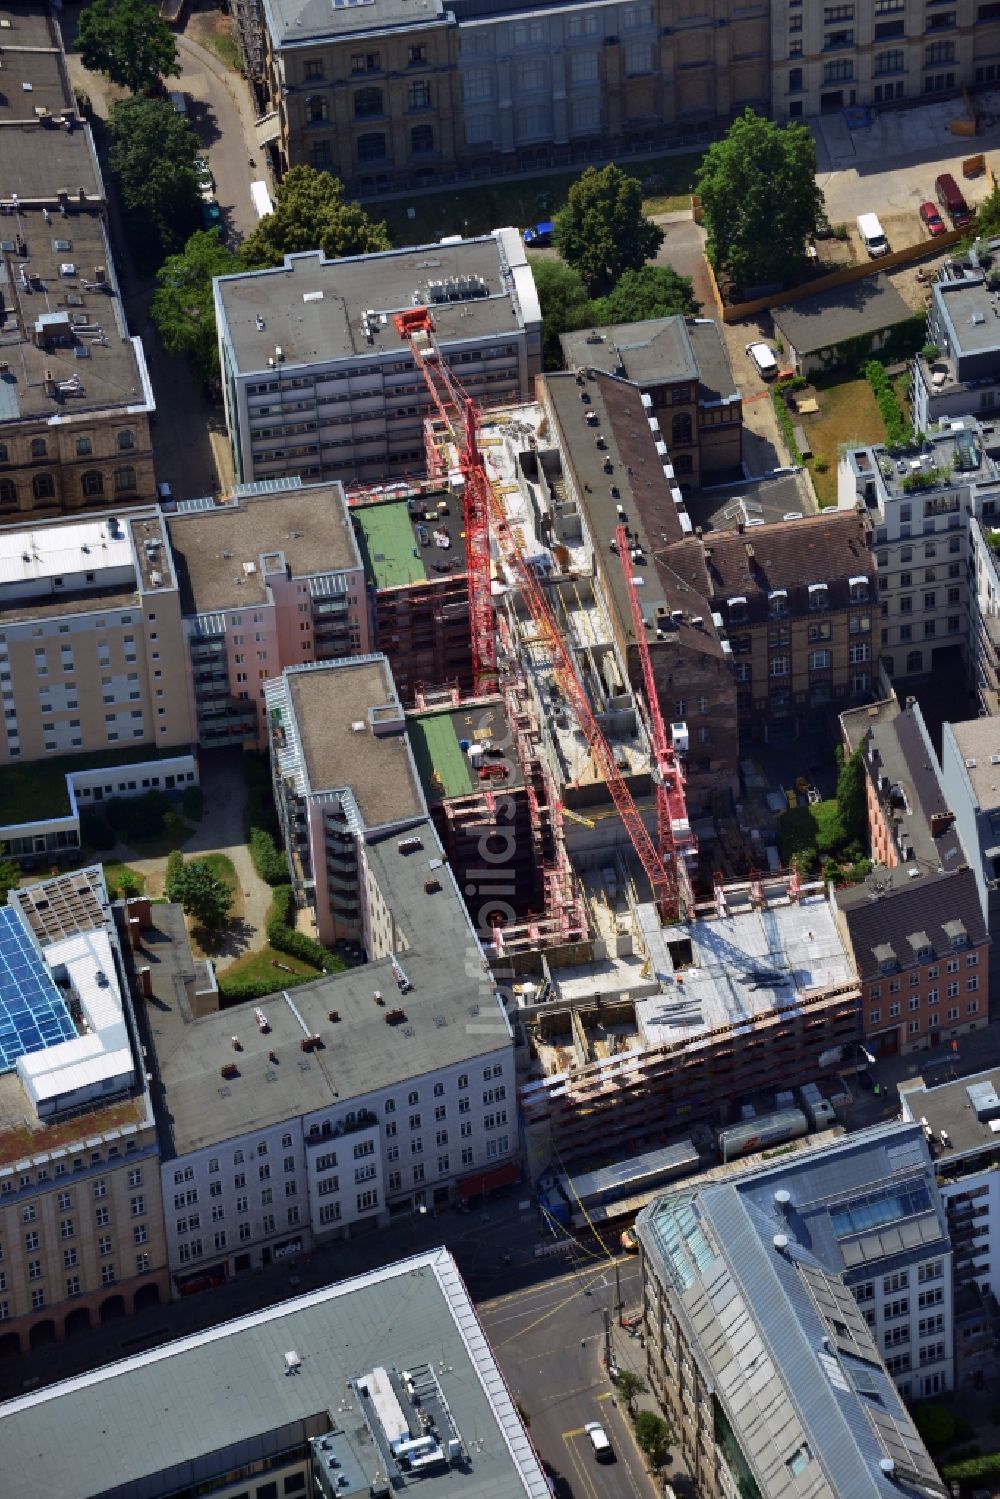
<point>221,865</point>
<point>267,963</point>
<point>847,415</point>
<point>476,208</point>
<point>113,871</point>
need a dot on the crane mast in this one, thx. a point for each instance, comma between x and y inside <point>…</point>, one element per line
<point>461,416</point>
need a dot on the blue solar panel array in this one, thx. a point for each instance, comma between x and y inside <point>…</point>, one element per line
<point>33,1013</point>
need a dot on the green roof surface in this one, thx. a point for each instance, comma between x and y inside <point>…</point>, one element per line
<point>388,548</point>
<point>36,790</point>
<point>435,748</point>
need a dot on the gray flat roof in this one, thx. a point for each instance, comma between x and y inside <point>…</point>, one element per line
<point>328,328</point>
<point>946,1106</point>
<point>293,22</point>
<point>656,352</point>
<point>846,312</point>
<point>449,1017</point>
<point>978,739</point>
<point>310,525</point>
<point>37,157</point>
<point>176,1415</point>
<point>969,309</point>
<point>327,703</point>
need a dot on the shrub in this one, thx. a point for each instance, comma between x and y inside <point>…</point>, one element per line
<point>234,990</point>
<point>935,1423</point>
<point>829,827</point>
<point>930,352</point>
<point>796,833</point>
<point>972,1468</point>
<point>193,803</point>
<point>897,430</point>
<point>269,862</point>
<point>174,877</point>
<point>96,833</point>
<point>138,816</point>
<point>282,935</point>
<point>785,423</point>
<point>173,823</point>
<point>840,232</point>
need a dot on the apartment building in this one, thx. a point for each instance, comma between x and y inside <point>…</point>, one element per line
<point>920,509</point>
<point>270,578</point>
<point>412,545</point>
<point>315,377</point>
<point>963,377</point>
<point>616,469</point>
<point>332,1108</point>
<point>76,395</point>
<point>922,953</point>
<point>682,365</point>
<point>970,758</point>
<point>910,822</point>
<point>91,656</point>
<point>882,52</point>
<point>984,611</point>
<point>427,1408</point>
<point>81,1226</point>
<point>785,1322</point>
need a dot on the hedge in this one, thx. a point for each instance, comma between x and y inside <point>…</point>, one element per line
<point>175,863</point>
<point>898,432</point>
<point>269,862</point>
<point>235,989</point>
<point>282,935</point>
<point>785,423</point>
<point>971,1469</point>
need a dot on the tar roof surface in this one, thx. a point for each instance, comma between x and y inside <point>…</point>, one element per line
<point>124,1428</point>
<point>862,307</point>
<point>435,735</point>
<point>329,329</point>
<point>969,308</point>
<point>946,1106</point>
<point>378,769</point>
<point>856,722</point>
<point>979,739</point>
<point>395,553</point>
<point>309,525</point>
<point>907,908</point>
<point>301,21</point>
<point>449,1017</point>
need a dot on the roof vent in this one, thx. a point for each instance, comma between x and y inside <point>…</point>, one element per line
<point>888,1466</point>
<point>780,1242</point>
<point>292,1362</point>
<point>782,1199</point>
<point>358,726</point>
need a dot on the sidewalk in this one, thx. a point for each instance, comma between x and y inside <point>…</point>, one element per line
<point>628,1352</point>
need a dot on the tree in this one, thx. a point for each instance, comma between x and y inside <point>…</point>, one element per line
<point>655,1436</point>
<point>127,41</point>
<point>602,231</point>
<point>311,213</point>
<point>852,799</point>
<point>935,1423</point>
<point>629,1386</point>
<point>183,307</point>
<point>204,898</point>
<point>652,291</point>
<point>129,884</point>
<point>10,878</point>
<point>988,217</point>
<point>759,199</point>
<point>565,305</point>
<point>152,155</point>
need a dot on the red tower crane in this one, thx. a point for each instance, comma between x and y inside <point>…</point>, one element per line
<point>461,414</point>
<point>673,828</point>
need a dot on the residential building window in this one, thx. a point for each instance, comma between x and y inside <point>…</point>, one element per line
<point>418,95</point>
<point>368,103</point>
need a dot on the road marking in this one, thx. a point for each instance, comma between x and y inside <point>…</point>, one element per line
<point>543,1318</point>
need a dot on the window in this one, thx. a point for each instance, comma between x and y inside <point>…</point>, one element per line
<point>820,660</point>
<point>318,108</point>
<point>421,140</point>
<point>939,52</point>
<point>371,147</point>
<point>417,54</point>
<point>365,62</point>
<point>93,483</point>
<point>102,1217</point>
<point>8,493</point>
<point>780,666</point>
<point>367,1200</point>
<point>368,103</point>
<point>418,95</point>
<point>38,447</point>
<point>43,488</point>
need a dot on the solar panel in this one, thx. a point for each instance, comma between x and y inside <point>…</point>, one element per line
<point>33,1013</point>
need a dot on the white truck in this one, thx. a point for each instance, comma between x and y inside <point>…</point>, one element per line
<point>872,235</point>
<point>819,1110</point>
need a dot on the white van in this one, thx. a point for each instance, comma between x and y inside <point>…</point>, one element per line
<point>872,235</point>
<point>763,359</point>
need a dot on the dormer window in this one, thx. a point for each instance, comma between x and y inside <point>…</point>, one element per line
<point>777,602</point>
<point>819,597</point>
<point>737,609</point>
<point>859,590</point>
<point>885,956</point>
<point>956,933</point>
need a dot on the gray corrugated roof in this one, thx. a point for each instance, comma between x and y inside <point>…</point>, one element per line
<point>146,1425</point>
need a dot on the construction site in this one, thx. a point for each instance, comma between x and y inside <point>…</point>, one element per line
<point>648,995</point>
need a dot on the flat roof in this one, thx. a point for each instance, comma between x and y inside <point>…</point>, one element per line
<point>37,157</point>
<point>658,351</point>
<point>744,965</point>
<point>327,702</point>
<point>33,1012</point>
<point>449,1019</point>
<point>411,540</point>
<point>978,739</point>
<point>308,526</point>
<point>968,306</point>
<point>947,1106</point>
<point>443,766</point>
<point>144,1425</point>
<point>312,308</point>
<point>292,22</point>
<point>861,307</point>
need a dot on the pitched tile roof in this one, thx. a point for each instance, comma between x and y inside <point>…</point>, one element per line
<point>930,904</point>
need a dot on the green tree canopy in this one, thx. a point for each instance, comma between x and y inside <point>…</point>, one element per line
<point>127,41</point>
<point>988,217</point>
<point>565,305</point>
<point>630,1385</point>
<point>183,309</point>
<point>602,231</point>
<point>311,213</point>
<point>10,878</point>
<point>654,1435</point>
<point>204,898</point>
<point>152,155</point>
<point>759,199</point>
<point>652,291</point>
<point>852,799</point>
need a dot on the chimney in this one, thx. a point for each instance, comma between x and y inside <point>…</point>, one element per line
<point>941,822</point>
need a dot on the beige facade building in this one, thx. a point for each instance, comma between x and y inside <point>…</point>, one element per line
<point>81,1223</point>
<point>75,394</point>
<point>91,658</point>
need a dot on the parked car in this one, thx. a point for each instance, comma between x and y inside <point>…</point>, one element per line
<point>203,172</point>
<point>931,219</point>
<point>763,360</point>
<point>211,214</point>
<point>179,100</point>
<point>539,235</point>
<point>949,195</point>
<point>603,1450</point>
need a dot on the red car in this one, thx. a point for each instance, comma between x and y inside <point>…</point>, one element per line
<point>931,220</point>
